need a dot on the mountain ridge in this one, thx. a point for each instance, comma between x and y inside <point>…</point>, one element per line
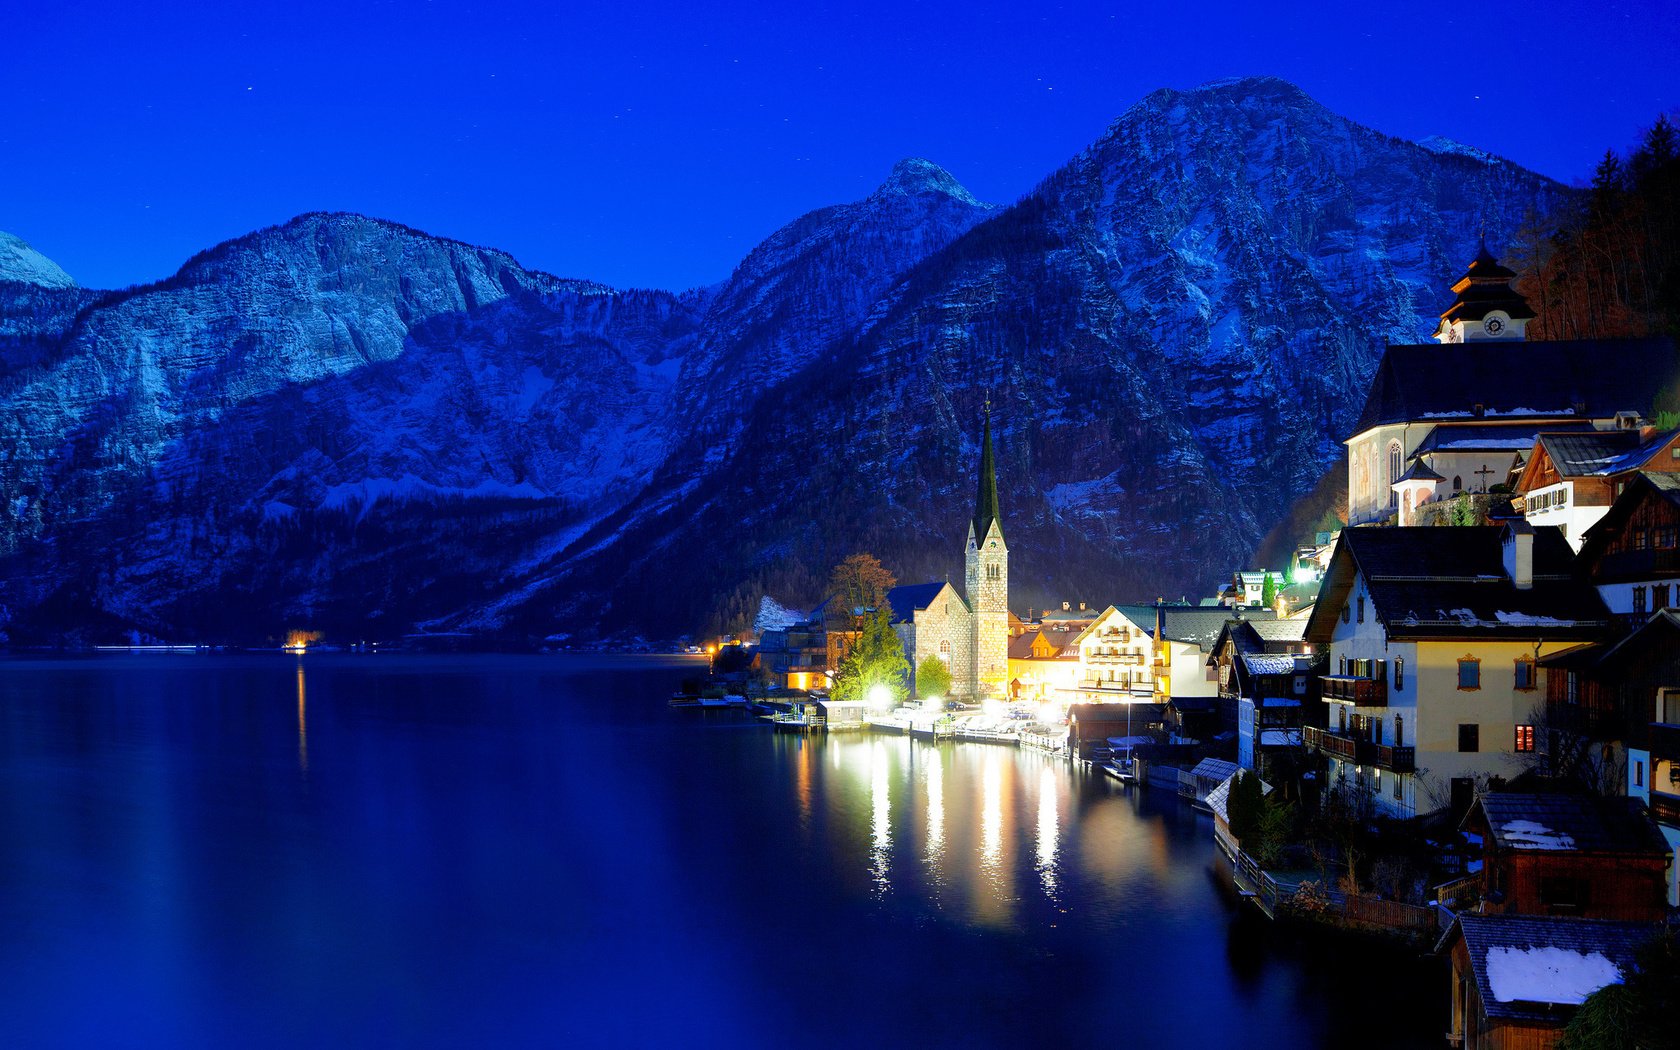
<point>340,421</point>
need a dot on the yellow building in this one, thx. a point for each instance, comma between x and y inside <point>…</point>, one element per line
<point>1434,634</point>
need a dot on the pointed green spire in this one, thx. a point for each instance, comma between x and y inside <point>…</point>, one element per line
<point>986,504</point>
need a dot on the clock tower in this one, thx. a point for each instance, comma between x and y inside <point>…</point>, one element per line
<point>1487,306</point>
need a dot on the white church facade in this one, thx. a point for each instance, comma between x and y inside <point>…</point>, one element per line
<point>968,631</point>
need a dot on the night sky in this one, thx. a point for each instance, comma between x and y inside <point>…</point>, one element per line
<point>654,147</point>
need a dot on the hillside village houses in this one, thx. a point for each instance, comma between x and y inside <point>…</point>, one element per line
<point>1452,418</point>
<point>1570,478</point>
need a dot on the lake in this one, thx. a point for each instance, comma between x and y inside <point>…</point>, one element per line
<point>266,850</point>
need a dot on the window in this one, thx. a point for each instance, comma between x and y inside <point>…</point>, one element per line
<point>1361,608</point>
<point>1638,600</point>
<point>1458,483</point>
<point>1524,673</point>
<point>1393,462</point>
<point>1399,673</point>
<point>1376,781</point>
<point>1469,737</point>
<point>1665,537</point>
<point>1641,539</point>
<point>1571,687</point>
<point>1563,896</point>
<point>945,648</point>
<point>1659,596</point>
<point>1399,730</point>
<point>994,572</point>
<point>1469,673</point>
<point>1525,739</point>
<point>1398,793</point>
<point>1345,614</point>
<point>1639,774</point>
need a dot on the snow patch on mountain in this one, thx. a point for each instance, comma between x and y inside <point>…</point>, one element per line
<point>19,262</point>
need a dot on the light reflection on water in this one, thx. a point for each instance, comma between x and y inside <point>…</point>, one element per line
<point>880,815</point>
<point>1047,823</point>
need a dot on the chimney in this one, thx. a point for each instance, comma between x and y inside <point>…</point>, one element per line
<point>1518,542</point>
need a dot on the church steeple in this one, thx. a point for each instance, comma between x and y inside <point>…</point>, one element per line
<point>1487,306</point>
<point>986,502</point>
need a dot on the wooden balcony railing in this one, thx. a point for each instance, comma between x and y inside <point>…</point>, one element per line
<point>1665,741</point>
<point>1333,744</point>
<point>1666,808</point>
<point>1387,756</point>
<point>1351,689</point>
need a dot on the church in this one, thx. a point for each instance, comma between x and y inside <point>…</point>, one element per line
<point>1454,416</point>
<point>969,631</point>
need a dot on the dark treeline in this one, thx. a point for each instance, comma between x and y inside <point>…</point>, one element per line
<point>1612,268</point>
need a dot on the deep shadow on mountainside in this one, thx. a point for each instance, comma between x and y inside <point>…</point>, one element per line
<point>347,425</point>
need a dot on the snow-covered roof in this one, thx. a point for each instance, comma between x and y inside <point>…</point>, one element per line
<point>1526,964</point>
<point>1523,821</point>
<point>1220,796</point>
<point>1269,663</point>
<point>1213,769</point>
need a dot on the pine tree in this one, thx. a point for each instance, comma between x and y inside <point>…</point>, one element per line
<point>876,660</point>
<point>1269,592</point>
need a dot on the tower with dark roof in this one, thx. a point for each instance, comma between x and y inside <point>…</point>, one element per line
<point>1487,306</point>
<point>987,577</point>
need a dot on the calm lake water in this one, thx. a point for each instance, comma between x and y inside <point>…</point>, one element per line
<point>474,851</point>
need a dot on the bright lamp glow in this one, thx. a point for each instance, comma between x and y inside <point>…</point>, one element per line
<point>993,707</point>
<point>880,697</point>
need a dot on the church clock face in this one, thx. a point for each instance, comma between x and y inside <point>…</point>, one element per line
<point>1493,326</point>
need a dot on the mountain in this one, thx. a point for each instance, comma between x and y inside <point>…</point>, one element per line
<point>24,265</point>
<point>346,424</point>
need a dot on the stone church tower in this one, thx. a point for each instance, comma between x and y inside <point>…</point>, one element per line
<point>987,579</point>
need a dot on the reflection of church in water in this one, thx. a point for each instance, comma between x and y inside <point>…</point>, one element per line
<point>969,631</point>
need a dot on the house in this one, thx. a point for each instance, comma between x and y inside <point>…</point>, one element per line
<point>1482,393</point>
<point>1183,637</point>
<point>1640,679</point>
<point>1632,554</point>
<point>1044,661</point>
<point>1517,979</point>
<point>796,656</point>
<point>1579,855</point>
<point>1434,636</point>
<point>1570,479</point>
<point>1114,660</point>
<point>1192,719</point>
<point>1218,800</point>
<point>1090,725</point>
<point>1265,678</point>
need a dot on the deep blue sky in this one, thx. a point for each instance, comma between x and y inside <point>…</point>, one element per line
<point>655,146</point>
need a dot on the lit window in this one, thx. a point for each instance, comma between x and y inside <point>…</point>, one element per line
<point>1525,739</point>
<point>1469,673</point>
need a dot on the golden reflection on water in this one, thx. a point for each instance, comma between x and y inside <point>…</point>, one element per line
<point>303,722</point>
<point>1047,830</point>
<point>935,812</point>
<point>880,824</point>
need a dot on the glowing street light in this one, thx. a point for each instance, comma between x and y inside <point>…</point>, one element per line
<point>880,697</point>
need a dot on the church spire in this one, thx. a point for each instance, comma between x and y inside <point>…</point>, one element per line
<point>986,503</point>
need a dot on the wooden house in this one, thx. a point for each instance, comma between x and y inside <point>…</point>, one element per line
<point>1574,855</point>
<point>1090,725</point>
<point>1518,979</point>
<point>1570,479</point>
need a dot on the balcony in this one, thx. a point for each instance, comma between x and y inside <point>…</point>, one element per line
<point>1361,752</point>
<point>1385,756</point>
<point>1333,744</point>
<point>1350,689</point>
<point>1647,564</point>
<point>1665,741</point>
<point>1589,721</point>
<point>1666,808</point>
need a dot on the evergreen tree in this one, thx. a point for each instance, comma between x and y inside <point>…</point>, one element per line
<point>1244,806</point>
<point>1269,592</point>
<point>933,678</point>
<point>876,659</point>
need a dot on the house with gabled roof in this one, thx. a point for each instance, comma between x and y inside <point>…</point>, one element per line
<point>1434,636</point>
<point>1571,479</point>
<point>1567,854</point>
<point>1482,392</point>
<point>1518,979</point>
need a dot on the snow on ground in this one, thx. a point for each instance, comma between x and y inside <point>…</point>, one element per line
<point>1547,975</point>
<point>1528,834</point>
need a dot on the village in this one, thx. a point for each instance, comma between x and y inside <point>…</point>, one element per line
<point>1454,721</point>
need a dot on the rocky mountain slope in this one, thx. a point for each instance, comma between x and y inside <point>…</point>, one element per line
<point>346,424</point>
